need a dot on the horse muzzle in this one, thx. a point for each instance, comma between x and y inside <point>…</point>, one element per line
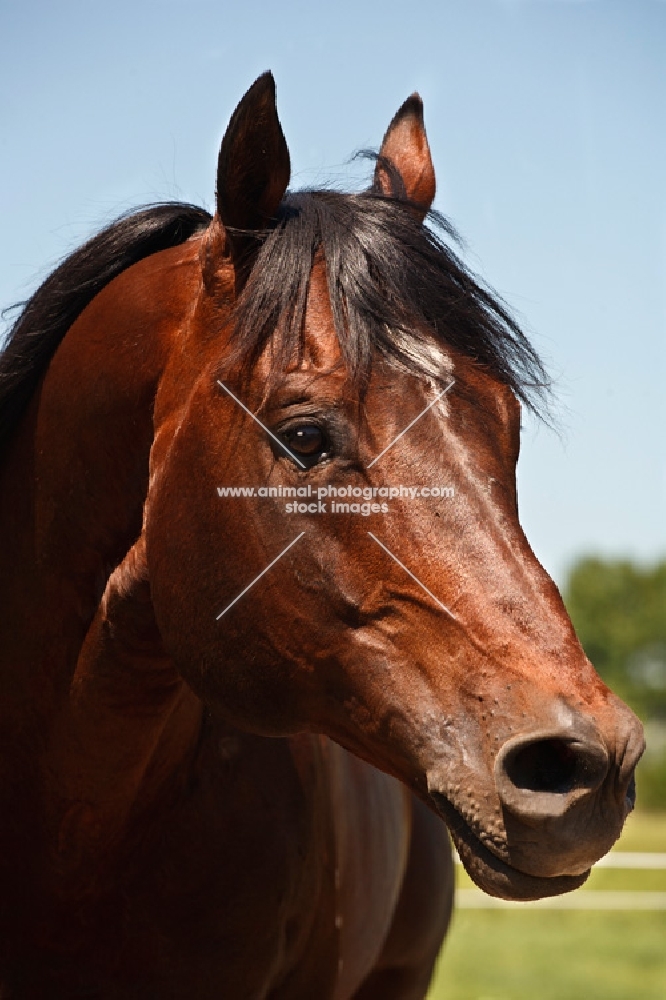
<point>559,801</point>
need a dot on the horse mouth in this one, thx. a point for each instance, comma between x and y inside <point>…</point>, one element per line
<point>489,872</point>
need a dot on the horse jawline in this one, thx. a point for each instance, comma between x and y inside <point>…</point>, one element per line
<point>490,873</point>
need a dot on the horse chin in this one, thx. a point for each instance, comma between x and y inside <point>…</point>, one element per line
<point>490,873</point>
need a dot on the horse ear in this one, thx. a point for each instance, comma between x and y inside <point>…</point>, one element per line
<point>405,149</point>
<point>253,166</point>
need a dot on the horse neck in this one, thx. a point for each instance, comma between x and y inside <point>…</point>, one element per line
<point>72,489</point>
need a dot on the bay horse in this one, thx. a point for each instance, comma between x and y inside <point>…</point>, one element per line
<point>234,734</point>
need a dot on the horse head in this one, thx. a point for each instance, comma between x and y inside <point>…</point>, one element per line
<point>378,587</point>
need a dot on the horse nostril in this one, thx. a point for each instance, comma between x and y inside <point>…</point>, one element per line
<point>543,773</point>
<point>543,766</point>
<point>631,793</point>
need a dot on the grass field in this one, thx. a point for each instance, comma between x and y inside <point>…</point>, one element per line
<point>530,954</point>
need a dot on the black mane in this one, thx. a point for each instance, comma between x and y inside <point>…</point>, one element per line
<point>46,317</point>
<point>393,284</point>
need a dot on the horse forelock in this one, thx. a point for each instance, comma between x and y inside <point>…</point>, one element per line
<point>396,286</point>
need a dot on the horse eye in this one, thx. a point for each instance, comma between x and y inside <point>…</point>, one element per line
<point>307,440</point>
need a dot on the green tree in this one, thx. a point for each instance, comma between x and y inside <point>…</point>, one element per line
<point>619,612</point>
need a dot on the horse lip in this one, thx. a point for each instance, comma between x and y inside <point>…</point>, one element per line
<point>495,876</point>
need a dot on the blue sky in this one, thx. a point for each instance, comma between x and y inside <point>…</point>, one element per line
<point>546,122</point>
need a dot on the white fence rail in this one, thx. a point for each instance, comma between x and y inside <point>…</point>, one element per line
<point>629,859</point>
<point>584,899</point>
